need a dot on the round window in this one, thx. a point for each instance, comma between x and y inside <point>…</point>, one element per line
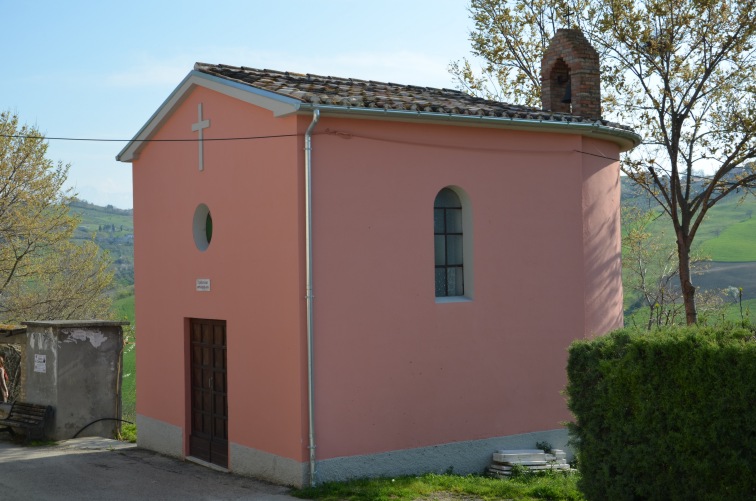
<point>202,227</point>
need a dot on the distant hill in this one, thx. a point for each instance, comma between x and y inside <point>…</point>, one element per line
<point>634,195</point>
<point>728,234</point>
<point>113,230</point>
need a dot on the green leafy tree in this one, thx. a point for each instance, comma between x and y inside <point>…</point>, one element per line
<point>43,275</point>
<point>681,72</point>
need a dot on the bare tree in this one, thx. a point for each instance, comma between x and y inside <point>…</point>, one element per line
<point>681,72</point>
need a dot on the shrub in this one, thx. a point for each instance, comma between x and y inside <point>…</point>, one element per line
<point>128,433</point>
<point>666,414</point>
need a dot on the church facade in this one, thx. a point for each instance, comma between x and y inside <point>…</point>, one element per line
<point>339,278</point>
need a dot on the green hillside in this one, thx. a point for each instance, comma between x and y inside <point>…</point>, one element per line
<point>113,230</point>
<point>733,233</point>
<point>728,234</point>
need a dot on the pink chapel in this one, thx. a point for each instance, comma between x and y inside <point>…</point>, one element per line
<point>340,278</point>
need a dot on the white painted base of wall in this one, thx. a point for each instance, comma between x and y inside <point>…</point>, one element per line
<point>160,436</point>
<point>459,457</point>
<point>164,438</point>
<point>266,466</point>
<point>472,456</point>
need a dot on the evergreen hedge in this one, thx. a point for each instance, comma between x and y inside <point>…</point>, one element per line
<point>668,414</point>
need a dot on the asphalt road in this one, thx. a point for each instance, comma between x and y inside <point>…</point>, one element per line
<point>94,468</point>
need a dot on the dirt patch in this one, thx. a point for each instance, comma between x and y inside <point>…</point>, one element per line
<point>720,275</point>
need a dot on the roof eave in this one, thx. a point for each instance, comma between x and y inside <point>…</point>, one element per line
<point>278,104</point>
<point>624,138</point>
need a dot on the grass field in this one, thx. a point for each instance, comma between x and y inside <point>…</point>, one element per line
<point>734,243</point>
<point>124,309</point>
<point>728,234</point>
<point>128,388</point>
<point>433,487</point>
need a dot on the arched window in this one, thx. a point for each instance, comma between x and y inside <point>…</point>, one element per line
<point>447,229</point>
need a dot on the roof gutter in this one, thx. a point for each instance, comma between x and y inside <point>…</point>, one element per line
<point>626,139</point>
<point>308,289</point>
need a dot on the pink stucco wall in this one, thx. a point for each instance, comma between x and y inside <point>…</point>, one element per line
<point>394,369</point>
<point>602,239</point>
<point>255,263</point>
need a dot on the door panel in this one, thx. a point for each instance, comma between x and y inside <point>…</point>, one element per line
<point>209,434</point>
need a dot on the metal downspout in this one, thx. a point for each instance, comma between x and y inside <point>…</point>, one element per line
<point>308,286</point>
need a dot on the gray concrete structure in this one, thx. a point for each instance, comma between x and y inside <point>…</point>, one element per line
<point>75,367</point>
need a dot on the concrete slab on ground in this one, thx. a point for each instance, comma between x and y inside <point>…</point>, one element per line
<point>93,468</point>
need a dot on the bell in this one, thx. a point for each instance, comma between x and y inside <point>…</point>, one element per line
<point>567,93</point>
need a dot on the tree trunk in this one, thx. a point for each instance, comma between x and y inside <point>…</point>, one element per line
<point>686,285</point>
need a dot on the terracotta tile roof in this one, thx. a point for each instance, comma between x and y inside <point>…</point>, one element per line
<point>354,93</point>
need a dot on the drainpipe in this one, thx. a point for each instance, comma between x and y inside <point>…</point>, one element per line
<point>308,286</point>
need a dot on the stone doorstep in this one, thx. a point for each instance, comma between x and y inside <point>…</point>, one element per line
<point>521,462</point>
<point>546,466</point>
<point>527,455</point>
<point>530,463</point>
<point>518,456</point>
<point>529,451</point>
<point>533,459</point>
<point>520,451</point>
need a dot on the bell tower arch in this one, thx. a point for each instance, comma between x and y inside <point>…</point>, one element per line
<point>570,76</point>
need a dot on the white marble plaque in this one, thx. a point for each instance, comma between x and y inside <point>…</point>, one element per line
<point>203,285</point>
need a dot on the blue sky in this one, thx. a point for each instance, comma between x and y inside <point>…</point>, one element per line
<point>87,69</point>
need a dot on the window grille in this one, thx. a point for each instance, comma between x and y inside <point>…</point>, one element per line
<point>447,229</point>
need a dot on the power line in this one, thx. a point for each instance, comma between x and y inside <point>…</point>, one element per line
<point>101,140</point>
<point>720,181</point>
<point>669,174</point>
<point>327,131</point>
<point>273,136</point>
<point>596,155</point>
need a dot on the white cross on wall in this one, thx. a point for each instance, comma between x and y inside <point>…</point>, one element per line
<point>198,127</point>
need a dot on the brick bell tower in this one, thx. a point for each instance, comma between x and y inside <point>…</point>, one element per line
<point>570,76</point>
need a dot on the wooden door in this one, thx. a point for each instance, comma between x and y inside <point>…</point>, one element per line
<point>209,434</point>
